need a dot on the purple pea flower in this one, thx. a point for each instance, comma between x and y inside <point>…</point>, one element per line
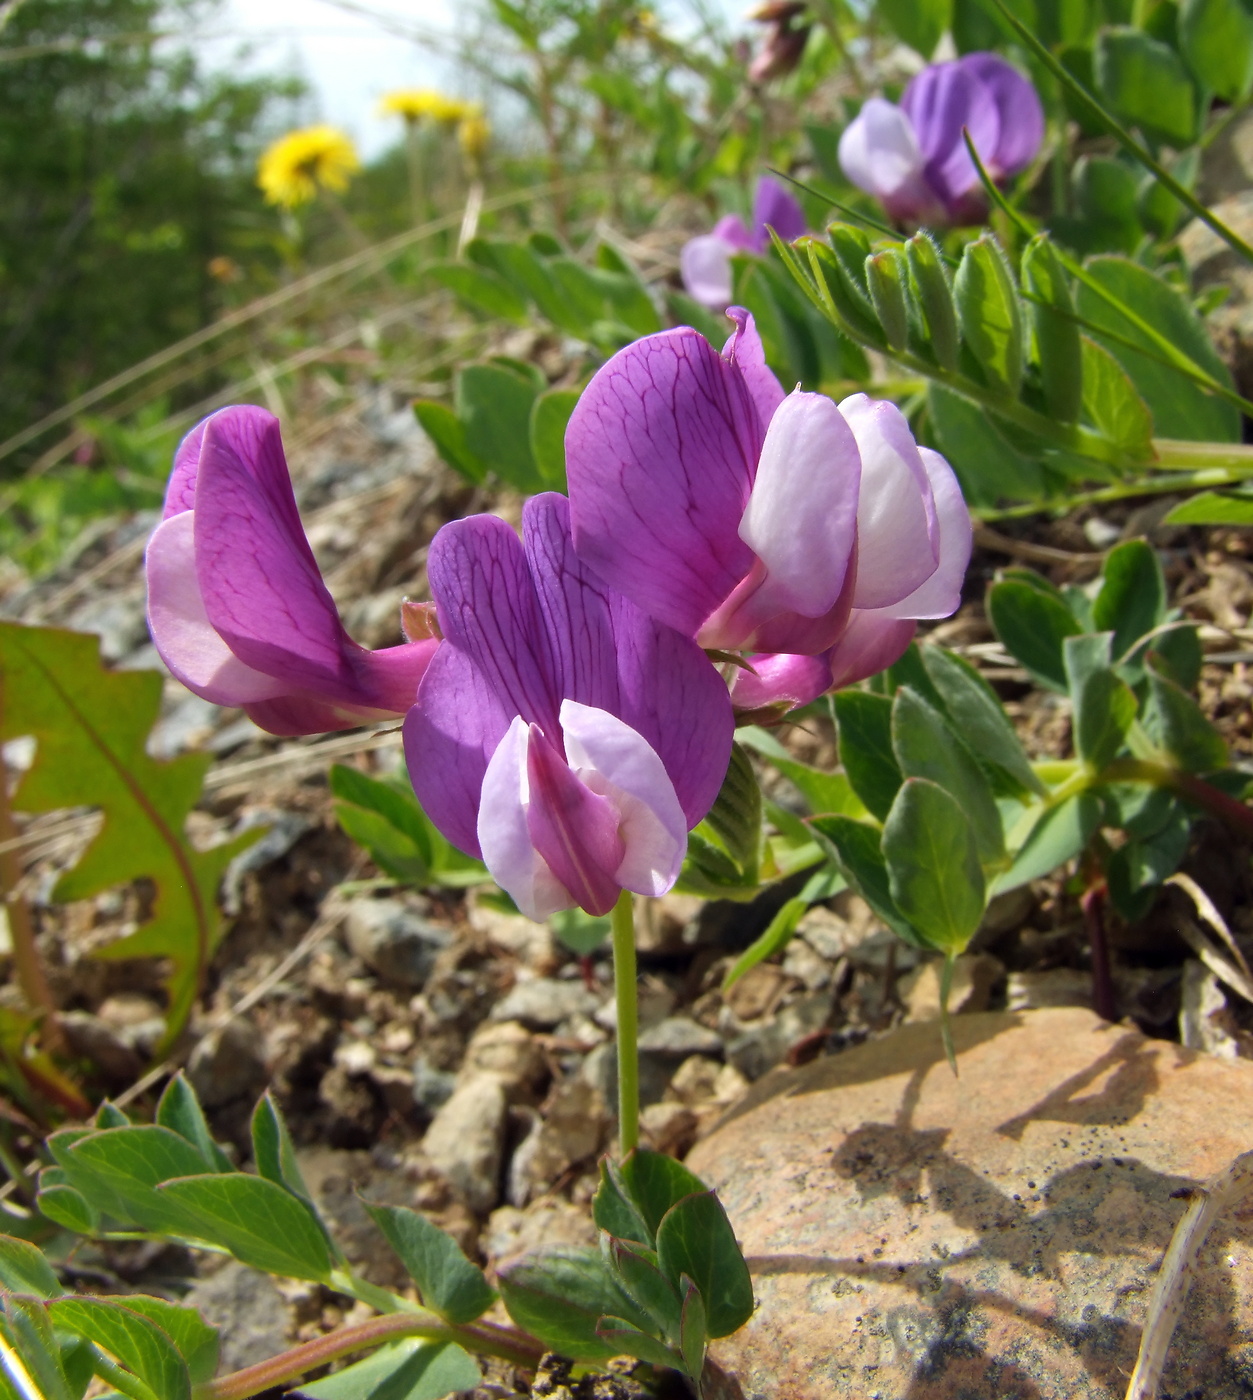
<point>236,606</point>
<point>560,734</point>
<point>913,159</point>
<point>705,262</point>
<point>750,520</point>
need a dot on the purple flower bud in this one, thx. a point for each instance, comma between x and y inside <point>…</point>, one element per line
<point>785,39</point>
<point>560,733</point>
<point>752,520</point>
<point>236,604</point>
<point>705,261</point>
<point>913,159</point>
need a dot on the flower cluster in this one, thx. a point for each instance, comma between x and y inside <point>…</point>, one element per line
<point>705,262</point>
<point>562,719</point>
<point>913,158</point>
<point>417,104</point>
<point>293,169</point>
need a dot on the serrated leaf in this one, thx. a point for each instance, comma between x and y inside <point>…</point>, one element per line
<point>864,724</point>
<point>1111,404</point>
<point>976,711</point>
<point>926,746</point>
<point>695,1238</point>
<point>180,1111</point>
<point>1032,626</point>
<point>23,1269</point>
<point>411,1369</point>
<point>1059,834</point>
<point>989,314</point>
<point>259,1222</point>
<point>933,865</point>
<point>91,729</point>
<point>449,1283</point>
<point>560,1295</point>
<point>135,1341</point>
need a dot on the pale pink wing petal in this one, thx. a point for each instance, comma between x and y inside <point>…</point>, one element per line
<point>660,452</point>
<point>180,627</point>
<point>732,230</point>
<point>940,595</point>
<point>503,836</point>
<point>897,534</point>
<point>745,351</point>
<point>653,824</point>
<point>705,267</point>
<point>871,642</point>
<point>802,517</point>
<point>879,153</point>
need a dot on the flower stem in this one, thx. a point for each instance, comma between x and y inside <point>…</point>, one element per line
<point>1140,770</point>
<point>291,1365</point>
<point>628,1022</point>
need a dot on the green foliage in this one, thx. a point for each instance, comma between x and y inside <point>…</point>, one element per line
<point>383,815</point>
<point>407,1370</point>
<point>91,727</point>
<point>1146,84</point>
<point>918,23</point>
<point>448,1283</point>
<point>1216,40</point>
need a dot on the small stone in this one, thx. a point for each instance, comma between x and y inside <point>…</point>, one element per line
<point>679,1036</point>
<point>1058,986</point>
<point>227,1064</point>
<point>757,993</point>
<point>508,1050</point>
<point>670,924</point>
<point>91,1039</point>
<point>432,1087</point>
<point>1205,1021</point>
<point>466,1140</point>
<point>248,1311</point>
<point>283,830</point>
<point>355,1056</point>
<point>669,1128</point>
<point>396,1086</point>
<point>861,939</point>
<point>807,966</point>
<point>541,1003</point>
<point>600,1070</point>
<point>974,976</point>
<point>996,1233</point>
<point>136,1020</point>
<point>694,1081</point>
<point>571,1130</point>
<point>394,939</point>
<point>549,1224</point>
<point>531,943</point>
<point>758,1049</point>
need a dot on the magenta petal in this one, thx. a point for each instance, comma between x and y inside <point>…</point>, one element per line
<point>608,654</point>
<point>1018,106</point>
<point>780,679</point>
<point>572,828</point>
<point>180,491</point>
<point>774,207</point>
<point>487,608</point>
<point>940,595</point>
<point>871,642</point>
<point>660,453</point>
<point>450,735</point>
<point>745,351</point>
<point>733,231</point>
<point>262,589</point>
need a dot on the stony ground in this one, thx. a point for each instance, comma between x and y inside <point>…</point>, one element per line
<point>431,1051</point>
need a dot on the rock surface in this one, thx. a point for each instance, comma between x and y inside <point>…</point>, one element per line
<point>915,1236</point>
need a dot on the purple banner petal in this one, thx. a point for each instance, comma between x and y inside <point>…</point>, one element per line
<point>775,207</point>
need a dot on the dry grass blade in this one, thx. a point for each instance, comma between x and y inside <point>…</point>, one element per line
<point>1170,1292</point>
<point>1234,974</point>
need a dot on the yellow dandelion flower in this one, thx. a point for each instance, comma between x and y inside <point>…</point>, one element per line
<point>415,103</point>
<point>296,165</point>
<point>474,133</point>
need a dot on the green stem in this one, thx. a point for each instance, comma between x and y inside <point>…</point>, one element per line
<point>413,153</point>
<point>1143,486</point>
<point>485,1339</point>
<point>628,1022</point>
<point>1141,770</point>
<point>1175,455</point>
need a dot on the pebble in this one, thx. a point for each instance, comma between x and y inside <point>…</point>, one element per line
<point>541,1003</point>
<point>394,939</point>
<point>466,1140</point>
<point>248,1311</point>
<point>974,976</point>
<point>531,943</point>
<point>572,1130</point>
<point>550,1224</point>
<point>283,830</point>
<point>760,1048</point>
<point>432,1087</point>
<point>986,1236</point>
<point>865,942</point>
<point>1205,1022</point>
<point>227,1064</point>
<point>1057,986</point>
<point>508,1050</point>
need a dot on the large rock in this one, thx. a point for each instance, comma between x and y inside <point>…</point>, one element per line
<point>915,1236</point>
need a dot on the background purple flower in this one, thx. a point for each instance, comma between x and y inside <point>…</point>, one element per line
<point>236,604</point>
<point>560,734</point>
<point>705,261</point>
<point>913,159</point>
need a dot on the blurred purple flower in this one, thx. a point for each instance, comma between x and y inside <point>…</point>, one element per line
<point>705,262</point>
<point>913,159</point>
<point>785,40</point>
<point>236,605</point>
<point>560,734</point>
<point>750,520</point>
